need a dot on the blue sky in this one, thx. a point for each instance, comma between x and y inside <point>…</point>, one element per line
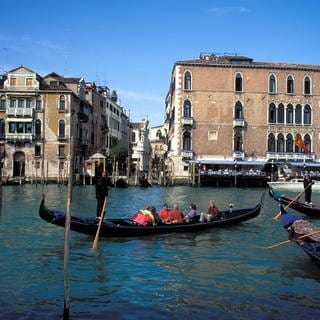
<point>131,46</point>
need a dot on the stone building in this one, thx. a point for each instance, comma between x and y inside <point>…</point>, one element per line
<point>40,115</point>
<point>222,109</point>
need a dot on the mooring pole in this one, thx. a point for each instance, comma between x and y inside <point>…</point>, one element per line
<point>66,309</point>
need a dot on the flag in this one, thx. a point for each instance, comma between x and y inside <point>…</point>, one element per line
<point>300,143</point>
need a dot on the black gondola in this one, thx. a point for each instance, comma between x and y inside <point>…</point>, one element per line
<point>128,228</point>
<point>295,204</point>
<point>303,233</point>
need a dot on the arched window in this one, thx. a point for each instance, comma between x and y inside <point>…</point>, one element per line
<point>307,141</point>
<point>62,129</point>
<point>272,113</point>
<point>238,82</point>
<point>2,133</point>
<point>307,114</point>
<point>237,141</point>
<point>307,85</point>
<point>289,114</point>
<point>62,103</point>
<point>272,84</point>
<point>289,143</point>
<point>187,109</point>
<point>290,85</point>
<point>38,128</point>
<point>271,143</point>
<point>281,113</point>
<point>280,143</point>
<point>187,80</point>
<point>238,113</point>
<point>298,114</point>
<point>187,141</point>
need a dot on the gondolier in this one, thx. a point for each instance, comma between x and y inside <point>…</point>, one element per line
<point>102,185</point>
<point>307,185</point>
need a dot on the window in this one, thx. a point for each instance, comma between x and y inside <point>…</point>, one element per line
<point>238,83</point>
<point>38,105</point>
<point>272,84</point>
<point>307,141</point>
<point>12,127</point>
<point>62,103</point>
<point>298,114</point>
<point>28,82</point>
<point>187,109</point>
<point>237,141</point>
<point>289,143</point>
<point>28,103</point>
<point>289,115</point>
<point>307,85</point>
<point>2,127</point>
<point>187,141</point>
<point>280,143</point>
<point>20,103</point>
<point>3,103</point>
<point>62,128</point>
<point>38,128</point>
<point>307,114</point>
<point>272,113</point>
<point>281,113</point>
<point>13,103</point>
<point>133,137</point>
<point>290,85</point>
<point>61,152</point>
<point>187,80</point>
<point>13,81</point>
<point>271,143</point>
<point>37,150</point>
<point>20,127</point>
<point>28,127</point>
<point>238,111</point>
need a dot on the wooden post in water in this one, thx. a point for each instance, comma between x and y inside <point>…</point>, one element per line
<point>67,236</point>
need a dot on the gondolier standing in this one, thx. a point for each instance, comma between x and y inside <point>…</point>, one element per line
<point>102,185</point>
<point>307,185</point>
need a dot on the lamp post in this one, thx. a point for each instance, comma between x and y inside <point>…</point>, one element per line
<point>272,168</point>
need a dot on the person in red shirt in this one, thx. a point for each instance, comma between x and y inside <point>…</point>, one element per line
<point>164,213</point>
<point>212,213</point>
<point>176,215</point>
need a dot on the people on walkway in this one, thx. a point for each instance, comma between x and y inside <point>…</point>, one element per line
<point>307,185</point>
<point>176,215</point>
<point>103,183</point>
<point>212,213</point>
<point>191,215</point>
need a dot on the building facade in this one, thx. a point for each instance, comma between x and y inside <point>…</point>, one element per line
<point>39,116</point>
<point>230,108</point>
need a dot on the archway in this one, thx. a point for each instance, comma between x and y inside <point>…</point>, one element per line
<point>19,164</point>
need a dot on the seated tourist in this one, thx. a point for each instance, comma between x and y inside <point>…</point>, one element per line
<point>164,213</point>
<point>212,213</point>
<point>176,215</point>
<point>190,216</point>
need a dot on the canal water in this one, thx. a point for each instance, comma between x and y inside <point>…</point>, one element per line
<point>217,274</point>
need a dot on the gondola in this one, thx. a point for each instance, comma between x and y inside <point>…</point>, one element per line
<point>128,228</point>
<point>303,233</point>
<point>295,204</point>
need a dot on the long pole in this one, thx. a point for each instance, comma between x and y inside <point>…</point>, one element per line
<point>67,236</point>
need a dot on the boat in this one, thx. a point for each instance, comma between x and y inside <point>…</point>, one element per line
<point>295,204</point>
<point>128,228</point>
<point>293,184</point>
<point>305,234</point>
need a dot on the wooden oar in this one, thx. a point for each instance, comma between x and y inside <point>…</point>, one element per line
<point>287,241</point>
<point>276,217</point>
<point>95,242</point>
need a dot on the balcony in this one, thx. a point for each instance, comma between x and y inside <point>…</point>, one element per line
<point>19,138</point>
<point>187,154</point>
<point>187,121</point>
<point>238,123</point>
<point>62,138</point>
<point>290,156</point>
<point>20,112</point>
<point>83,117</point>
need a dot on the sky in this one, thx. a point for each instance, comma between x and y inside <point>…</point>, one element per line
<point>132,46</point>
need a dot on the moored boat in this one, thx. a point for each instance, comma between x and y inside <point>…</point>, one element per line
<point>128,228</point>
<point>295,204</point>
<point>305,234</point>
<point>293,184</point>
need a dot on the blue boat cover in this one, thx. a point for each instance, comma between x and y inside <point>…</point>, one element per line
<point>287,219</point>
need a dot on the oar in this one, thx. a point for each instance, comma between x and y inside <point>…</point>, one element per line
<point>276,217</point>
<point>95,242</point>
<point>287,241</point>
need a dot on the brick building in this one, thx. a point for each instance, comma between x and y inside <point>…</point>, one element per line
<point>222,109</point>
